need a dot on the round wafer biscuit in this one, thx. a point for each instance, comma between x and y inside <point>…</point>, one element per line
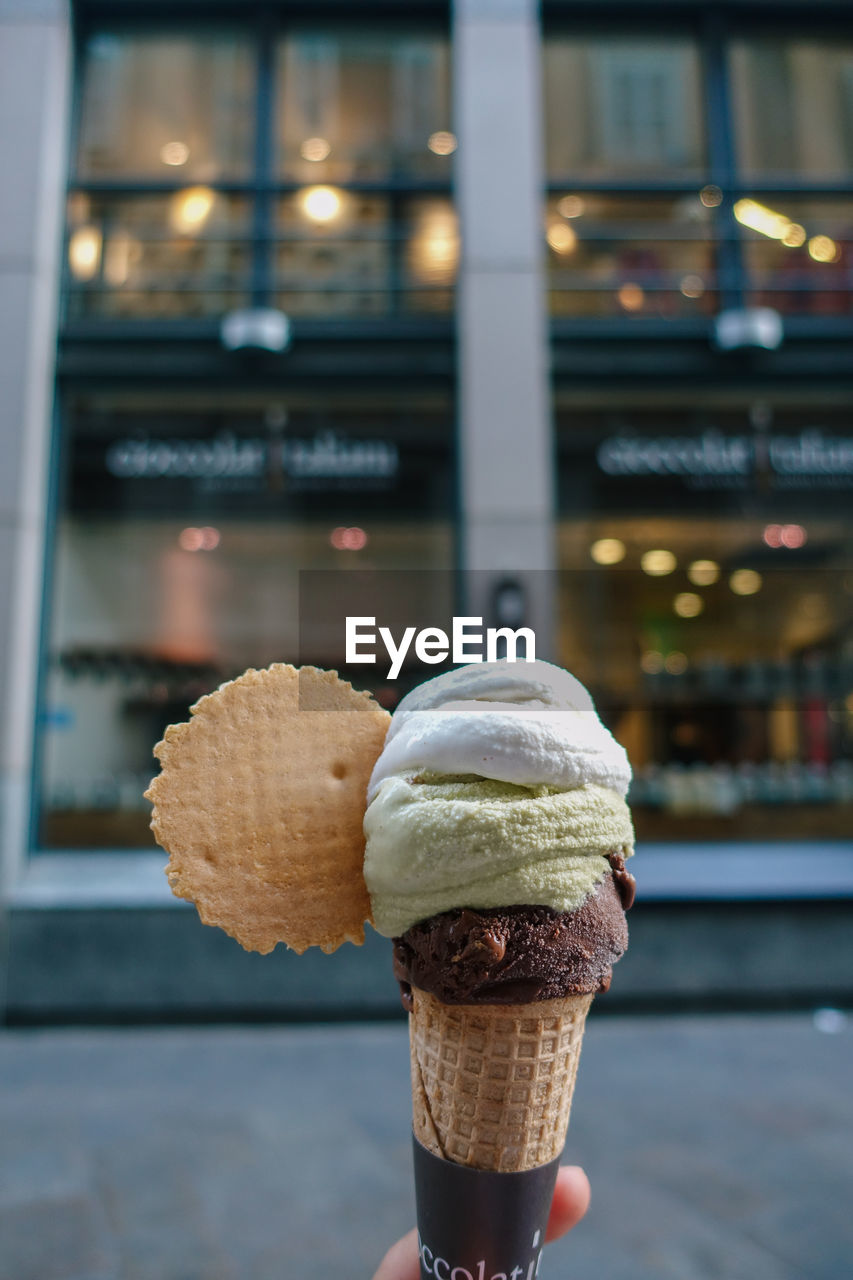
<point>260,805</point>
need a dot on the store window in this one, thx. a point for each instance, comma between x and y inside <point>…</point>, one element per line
<point>621,107</point>
<point>627,112</point>
<point>209,175</point>
<point>793,108</point>
<point>706,594</point>
<point>629,255</point>
<point>185,519</point>
<point>400,127</point>
<point>677,190</point>
<point>793,113</point>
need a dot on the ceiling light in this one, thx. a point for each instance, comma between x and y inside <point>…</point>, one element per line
<point>561,237</point>
<point>794,236</point>
<point>571,206</point>
<point>652,662</point>
<point>793,536</point>
<point>631,297</point>
<point>692,286</point>
<point>688,605</point>
<point>84,253</point>
<point>657,564</point>
<point>607,551</point>
<point>745,582</point>
<point>702,573</point>
<point>175,153</point>
<point>758,217</point>
<point>315,149</point>
<point>321,204</point>
<point>823,249</point>
<point>348,539</point>
<point>442,143</point>
<point>191,209</point>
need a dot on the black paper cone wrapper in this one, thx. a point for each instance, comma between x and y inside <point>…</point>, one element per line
<point>478,1225</point>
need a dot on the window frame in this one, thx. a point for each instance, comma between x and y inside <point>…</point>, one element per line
<point>714,29</point>
<point>265,27</point>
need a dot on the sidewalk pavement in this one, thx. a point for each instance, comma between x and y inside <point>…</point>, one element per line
<point>718,1148</point>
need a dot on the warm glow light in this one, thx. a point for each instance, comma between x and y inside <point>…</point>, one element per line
<point>205,539</point>
<point>822,249</point>
<point>711,196</point>
<point>315,149</point>
<point>571,206</point>
<point>442,143</point>
<point>561,237</point>
<point>348,539</point>
<point>758,217</point>
<point>434,246</point>
<point>676,663</point>
<point>121,252</point>
<point>321,204</point>
<point>84,253</point>
<point>652,662</point>
<point>657,564</point>
<point>190,539</point>
<point>702,573</point>
<point>745,582</point>
<point>607,551</point>
<point>688,605</point>
<point>692,286</point>
<point>631,297</point>
<point>794,236</point>
<point>191,209</point>
<point>793,536</point>
<point>175,153</point>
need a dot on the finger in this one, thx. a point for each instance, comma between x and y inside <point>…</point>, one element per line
<point>401,1260</point>
<point>570,1203</point>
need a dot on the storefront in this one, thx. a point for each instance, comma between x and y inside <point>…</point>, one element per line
<point>327,304</point>
<point>185,521</point>
<point>708,588</point>
<point>705,484</point>
<point>223,173</point>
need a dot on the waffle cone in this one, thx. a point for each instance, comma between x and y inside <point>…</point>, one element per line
<point>492,1085</point>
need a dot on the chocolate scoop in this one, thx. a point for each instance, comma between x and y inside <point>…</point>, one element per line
<point>514,955</point>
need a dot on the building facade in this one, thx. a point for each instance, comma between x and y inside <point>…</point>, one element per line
<point>539,309</point>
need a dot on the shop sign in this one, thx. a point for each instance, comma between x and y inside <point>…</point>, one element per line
<point>323,460</point>
<point>808,459</point>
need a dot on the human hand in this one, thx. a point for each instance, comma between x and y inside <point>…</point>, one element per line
<point>570,1203</point>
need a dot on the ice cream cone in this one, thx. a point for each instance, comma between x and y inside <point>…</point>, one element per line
<point>492,1084</point>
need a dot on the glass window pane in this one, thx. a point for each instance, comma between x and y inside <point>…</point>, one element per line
<point>339,253</point>
<point>798,253</point>
<point>333,253</point>
<point>149,257</point>
<point>793,107</point>
<point>707,593</point>
<point>629,256</point>
<point>362,106</point>
<point>431,254</point>
<point>619,107</point>
<point>183,527</point>
<point>167,107</point>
